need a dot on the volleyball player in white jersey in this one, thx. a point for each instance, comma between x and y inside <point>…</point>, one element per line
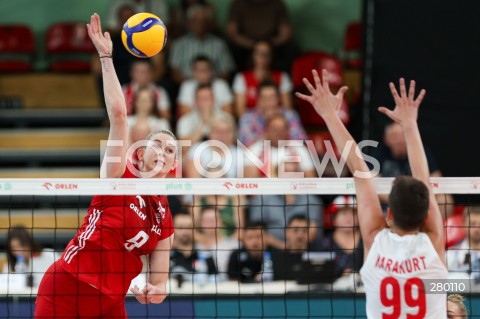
<point>408,246</point>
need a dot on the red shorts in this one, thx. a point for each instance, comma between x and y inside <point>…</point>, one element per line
<point>61,295</point>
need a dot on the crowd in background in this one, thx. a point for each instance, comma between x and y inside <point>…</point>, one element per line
<point>204,72</point>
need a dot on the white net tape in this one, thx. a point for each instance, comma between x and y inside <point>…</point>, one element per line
<point>204,186</point>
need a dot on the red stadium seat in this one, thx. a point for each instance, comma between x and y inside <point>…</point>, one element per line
<point>303,65</point>
<point>69,47</point>
<point>352,46</point>
<point>17,48</point>
<point>454,230</point>
<point>302,68</point>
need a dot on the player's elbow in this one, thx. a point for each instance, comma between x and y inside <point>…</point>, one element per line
<point>118,112</point>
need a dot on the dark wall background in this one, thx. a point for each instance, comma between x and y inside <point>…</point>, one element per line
<point>437,43</point>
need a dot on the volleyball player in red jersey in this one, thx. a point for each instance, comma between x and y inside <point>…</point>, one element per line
<point>92,277</point>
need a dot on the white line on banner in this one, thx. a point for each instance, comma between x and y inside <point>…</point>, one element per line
<point>221,186</point>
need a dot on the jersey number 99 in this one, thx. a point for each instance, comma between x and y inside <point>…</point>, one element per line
<point>392,295</point>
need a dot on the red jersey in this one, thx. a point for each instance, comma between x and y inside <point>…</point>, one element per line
<point>117,230</point>
<point>251,83</point>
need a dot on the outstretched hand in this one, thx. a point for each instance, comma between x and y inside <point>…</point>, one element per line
<point>150,294</point>
<point>406,108</point>
<point>322,98</point>
<point>102,41</point>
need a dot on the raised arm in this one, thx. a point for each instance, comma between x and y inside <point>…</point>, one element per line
<point>326,104</point>
<point>114,162</point>
<point>405,113</point>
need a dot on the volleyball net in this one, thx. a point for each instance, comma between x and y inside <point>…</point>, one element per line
<point>243,248</point>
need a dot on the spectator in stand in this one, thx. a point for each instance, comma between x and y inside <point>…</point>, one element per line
<point>157,7</point>
<point>245,264</point>
<point>179,17</point>
<point>199,42</point>
<point>212,239</point>
<point>184,253</point>
<point>345,241</point>
<point>297,234</point>
<point>231,210</point>
<point>465,257</point>
<point>274,161</point>
<point>196,125</point>
<point>297,244</point>
<point>276,211</point>
<point>144,118</point>
<point>245,84</point>
<point>252,123</point>
<point>217,161</point>
<point>260,20</point>
<point>21,248</point>
<point>141,74</point>
<point>221,138</point>
<point>217,158</point>
<point>393,159</point>
<point>203,73</point>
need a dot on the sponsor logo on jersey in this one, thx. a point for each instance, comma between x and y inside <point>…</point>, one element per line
<point>141,201</point>
<point>156,230</point>
<point>138,211</point>
<point>161,211</point>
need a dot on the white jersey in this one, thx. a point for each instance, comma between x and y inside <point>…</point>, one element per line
<point>392,275</point>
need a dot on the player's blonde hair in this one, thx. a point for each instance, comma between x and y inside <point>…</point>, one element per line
<point>459,301</point>
<point>168,132</point>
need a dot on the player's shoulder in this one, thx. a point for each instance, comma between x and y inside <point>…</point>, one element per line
<point>385,232</point>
